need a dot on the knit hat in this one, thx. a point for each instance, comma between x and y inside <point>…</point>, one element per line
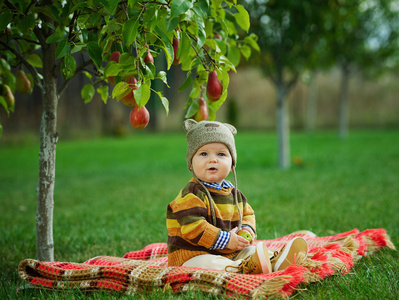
<point>205,132</point>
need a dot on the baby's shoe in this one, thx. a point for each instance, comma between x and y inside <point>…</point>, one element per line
<point>257,263</point>
<point>296,249</point>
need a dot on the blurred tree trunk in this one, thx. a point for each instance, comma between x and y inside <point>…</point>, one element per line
<point>343,102</point>
<point>48,142</point>
<point>283,129</point>
<point>311,107</point>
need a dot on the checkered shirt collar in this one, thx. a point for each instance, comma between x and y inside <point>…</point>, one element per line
<point>217,186</point>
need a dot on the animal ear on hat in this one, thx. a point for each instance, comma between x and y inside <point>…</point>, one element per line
<point>189,124</point>
<point>231,128</point>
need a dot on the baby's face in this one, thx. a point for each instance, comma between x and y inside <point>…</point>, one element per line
<point>212,162</point>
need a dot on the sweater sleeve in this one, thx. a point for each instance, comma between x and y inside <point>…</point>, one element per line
<point>248,215</point>
<point>190,213</point>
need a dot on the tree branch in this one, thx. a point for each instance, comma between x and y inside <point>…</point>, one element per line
<point>199,56</point>
<point>31,69</point>
<point>78,70</point>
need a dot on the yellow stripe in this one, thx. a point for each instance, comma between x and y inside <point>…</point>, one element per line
<point>187,202</point>
<point>170,223</point>
<point>191,227</point>
<point>228,208</point>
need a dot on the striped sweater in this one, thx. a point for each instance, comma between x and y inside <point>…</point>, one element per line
<point>189,221</point>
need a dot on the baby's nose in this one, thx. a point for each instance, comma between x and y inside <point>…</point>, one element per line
<point>213,158</point>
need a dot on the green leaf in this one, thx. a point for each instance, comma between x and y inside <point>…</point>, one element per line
<point>87,92</point>
<point>126,59</point>
<point>130,30</point>
<point>79,5</point>
<point>184,48</point>
<point>179,7</point>
<point>149,70</point>
<point>225,79</point>
<point>251,40</point>
<point>62,48</point>
<point>4,65</point>
<point>242,17</point>
<point>186,84</point>
<point>26,24</point>
<point>119,89</point>
<point>172,24</point>
<point>111,5</point>
<point>35,60</point>
<point>204,7</point>
<point>225,61</point>
<point>5,19</point>
<point>234,55</point>
<point>103,91</point>
<point>112,69</point>
<point>55,14</point>
<point>4,104</point>
<point>68,67</point>
<point>165,102</point>
<point>77,48</point>
<point>228,27</point>
<point>167,46</point>
<point>87,74</point>
<point>211,114</point>
<point>201,33</point>
<point>152,17</point>
<point>8,78</point>
<point>195,92</point>
<point>192,110</point>
<point>131,3</point>
<point>143,93</point>
<point>95,53</point>
<point>162,75</point>
<point>246,51</point>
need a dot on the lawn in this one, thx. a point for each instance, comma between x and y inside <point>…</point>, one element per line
<point>111,196</point>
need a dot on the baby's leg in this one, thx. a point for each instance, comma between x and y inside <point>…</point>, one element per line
<point>211,262</point>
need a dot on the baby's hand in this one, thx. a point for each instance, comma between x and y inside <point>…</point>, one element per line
<point>236,242</point>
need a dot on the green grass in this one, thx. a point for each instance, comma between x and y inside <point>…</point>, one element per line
<point>111,197</point>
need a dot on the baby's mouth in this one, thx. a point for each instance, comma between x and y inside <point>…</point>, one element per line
<point>212,169</point>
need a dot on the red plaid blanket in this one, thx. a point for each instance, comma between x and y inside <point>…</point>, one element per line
<point>145,270</point>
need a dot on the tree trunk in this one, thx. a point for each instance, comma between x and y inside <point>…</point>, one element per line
<point>343,103</point>
<point>311,106</point>
<point>48,142</point>
<point>283,132</point>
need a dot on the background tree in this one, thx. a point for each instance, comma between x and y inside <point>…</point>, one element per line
<point>289,33</point>
<point>362,37</point>
<point>116,40</point>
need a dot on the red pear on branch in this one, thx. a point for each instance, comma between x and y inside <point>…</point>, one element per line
<point>22,83</point>
<point>139,117</point>
<point>8,96</point>
<point>214,88</point>
<point>202,113</point>
<point>175,48</point>
<point>129,99</point>
<point>114,57</point>
<point>149,58</point>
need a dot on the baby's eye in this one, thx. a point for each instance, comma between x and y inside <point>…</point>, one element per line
<point>203,154</point>
<point>222,154</point>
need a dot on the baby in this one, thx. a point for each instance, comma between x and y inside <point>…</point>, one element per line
<point>207,218</point>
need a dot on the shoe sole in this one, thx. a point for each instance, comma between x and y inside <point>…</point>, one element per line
<point>262,252</point>
<point>293,247</point>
